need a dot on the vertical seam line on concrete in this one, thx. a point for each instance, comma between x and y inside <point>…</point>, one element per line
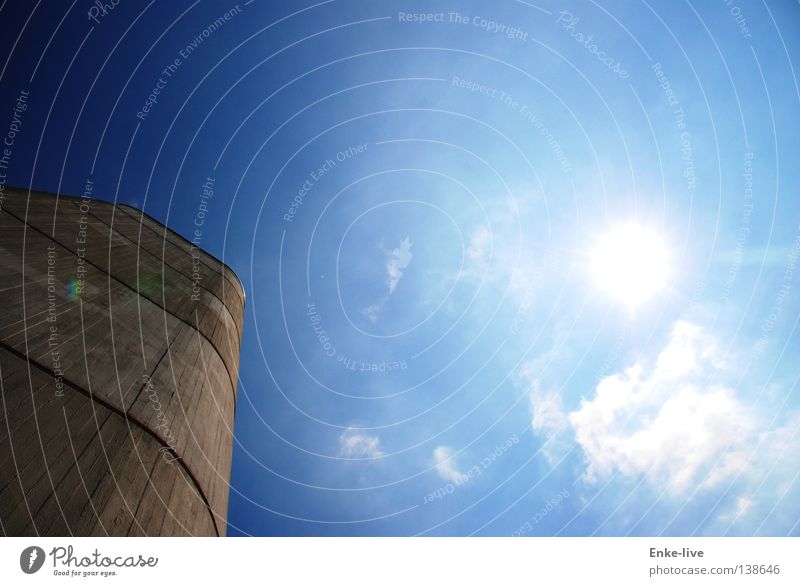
<point>14,457</point>
<point>80,473</point>
<point>148,483</point>
<point>219,354</point>
<point>150,374</point>
<point>163,261</point>
<point>66,472</point>
<point>226,269</point>
<point>120,413</point>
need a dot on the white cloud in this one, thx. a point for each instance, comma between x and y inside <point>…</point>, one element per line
<point>766,472</point>
<point>478,253</point>
<point>547,412</point>
<point>446,466</point>
<point>502,257</point>
<point>355,443</point>
<point>674,424</point>
<point>479,244</point>
<point>548,419</point>
<point>373,311</point>
<point>674,420</point>
<point>397,261</point>
<point>742,506</point>
<point>688,350</point>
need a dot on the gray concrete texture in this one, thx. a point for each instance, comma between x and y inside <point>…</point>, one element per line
<point>119,352</point>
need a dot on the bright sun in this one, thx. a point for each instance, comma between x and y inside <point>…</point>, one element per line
<point>630,263</point>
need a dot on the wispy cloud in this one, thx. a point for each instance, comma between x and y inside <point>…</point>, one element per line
<point>547,411</point>
<point>374,311</point>
<point>501,256</point>
<point>549,419</point>
<point>446,466</point>
<point>355,443</point>
<point>478,253</point>
<point>742,506</point>
<point>397,261</point>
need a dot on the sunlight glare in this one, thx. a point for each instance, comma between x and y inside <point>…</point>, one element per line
<point>630,263</point>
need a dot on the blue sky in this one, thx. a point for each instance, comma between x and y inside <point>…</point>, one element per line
<point>413,209</point>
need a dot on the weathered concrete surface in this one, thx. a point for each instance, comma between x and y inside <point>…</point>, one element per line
<point>119,351</point>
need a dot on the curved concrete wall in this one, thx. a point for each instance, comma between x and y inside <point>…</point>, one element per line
<point>119,352</point>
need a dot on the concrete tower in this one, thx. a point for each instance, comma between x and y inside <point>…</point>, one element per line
<point>119,353</point>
